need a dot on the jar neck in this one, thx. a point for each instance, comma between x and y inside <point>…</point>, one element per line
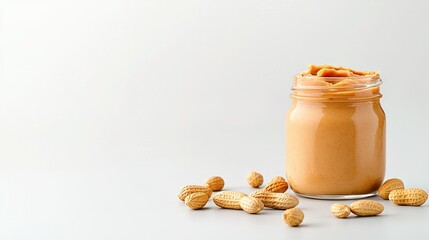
<point>336,89</point>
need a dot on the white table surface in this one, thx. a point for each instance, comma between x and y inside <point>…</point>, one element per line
<point>137,201</point>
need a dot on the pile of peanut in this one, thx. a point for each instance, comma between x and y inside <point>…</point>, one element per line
<point>273,196</point>
<point>393,190</point>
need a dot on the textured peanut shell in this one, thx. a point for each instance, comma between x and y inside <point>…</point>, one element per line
<point>365,208</point>
<point>193,189</point>
<point>340,210</point>
<point>251,204</point>
<point>196,200</point>
<point>276,200</point>
<point>278,178</point>
<point>388,186</point>
<point>216,183</point>
<point>277,186</point>
<point>228,199</point>
<point>408,197</point>
<point>293,217</point>
<point>255,179</point>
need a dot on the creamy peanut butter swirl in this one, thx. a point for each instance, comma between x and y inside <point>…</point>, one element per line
<point>331,71</point>
<point>331,76</point>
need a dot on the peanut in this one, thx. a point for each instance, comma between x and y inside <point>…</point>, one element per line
<point>277,186</point>
<point>216,183</point>
<point>196,200</point>
<point>293,217</point>
<point>366,208</point>
<point>189,189</point>
<point>255,179</point>
<point>278,178</point>
<point>408,197</point>
<point>388,186</point>
<point>340,210</point>
<point>251,204</point>
<point>276,200</point>
<point>228,199</point>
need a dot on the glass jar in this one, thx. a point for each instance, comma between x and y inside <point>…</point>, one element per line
<point>335,137</point>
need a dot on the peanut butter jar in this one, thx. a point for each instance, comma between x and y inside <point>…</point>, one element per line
<point>335,133</point>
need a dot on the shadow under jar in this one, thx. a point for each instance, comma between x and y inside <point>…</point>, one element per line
<point>335,137</point>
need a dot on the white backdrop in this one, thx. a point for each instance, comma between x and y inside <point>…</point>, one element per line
<point>105,103</point>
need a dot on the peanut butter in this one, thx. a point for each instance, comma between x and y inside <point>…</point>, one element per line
<point>335,133</point>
